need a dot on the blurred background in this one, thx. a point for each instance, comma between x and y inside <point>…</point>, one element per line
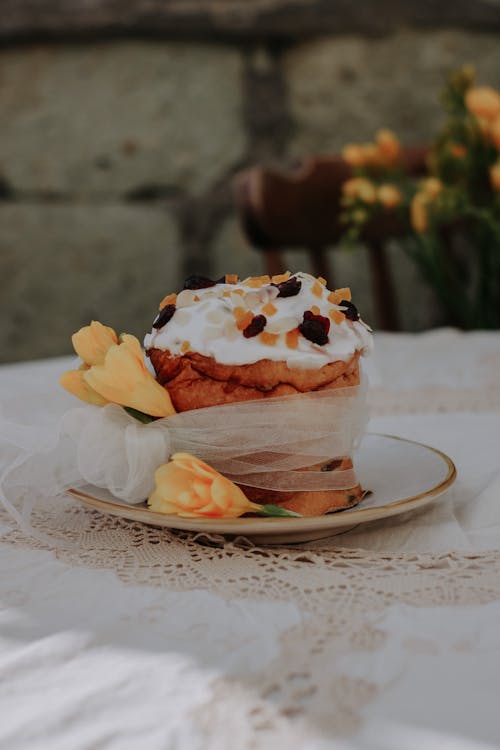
<point>124,123</point>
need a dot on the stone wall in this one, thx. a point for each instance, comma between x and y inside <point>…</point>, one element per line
<point>116,159</point>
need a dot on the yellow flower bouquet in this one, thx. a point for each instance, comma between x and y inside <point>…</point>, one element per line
<point>451,216</point>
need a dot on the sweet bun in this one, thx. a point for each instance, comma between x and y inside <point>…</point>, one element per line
<point>230,341</point>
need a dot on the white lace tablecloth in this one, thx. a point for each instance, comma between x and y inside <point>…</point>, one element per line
<point>385,638</point>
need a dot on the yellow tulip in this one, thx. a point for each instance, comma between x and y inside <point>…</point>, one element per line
<point>495,176</point>
<point>483,101</point>
<point>353,155</point>
<point>388,146</point>
<point>431,187</point>
<point>389,196</point>
<point>73,382</point>
<point>124,379</point>
<point>92,342</point>
<point>371,156</point>
<point>189,487</point>
<point>361,188</point>
<point>418,213</point>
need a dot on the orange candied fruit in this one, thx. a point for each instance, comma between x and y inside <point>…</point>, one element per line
<point>227,293</point>
<point>257,281</point>
<point>315,310</point>
<point>185,347</point>
<point>239,312</point>
<point>317,289</point>
<point>281,277</point>
<point>336,316</point>
<point>231,278</point>
<point>241,292</point>
<point>170,299</point>
<point>269,309</point>
<point>338,295</point>
<point>269,339</point>
<point>322,281</point>
<point>244,321</point>
<point>292,338</point>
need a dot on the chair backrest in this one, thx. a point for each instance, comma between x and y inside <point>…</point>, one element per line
<point>301,209</point>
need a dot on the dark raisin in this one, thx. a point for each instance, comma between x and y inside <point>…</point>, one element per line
<point>288,288</point>
<point>255,327</point>
<point>315,328</point>
<point>332,465</point>
<point>164,316</point>
<point>350,310</point>
<point>198,282</point>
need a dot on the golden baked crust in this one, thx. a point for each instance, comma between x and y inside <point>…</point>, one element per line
<point>195,381</point>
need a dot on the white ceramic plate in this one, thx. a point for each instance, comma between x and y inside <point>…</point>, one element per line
<point>402,475</point>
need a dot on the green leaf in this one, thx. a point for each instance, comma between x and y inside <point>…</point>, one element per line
<point>139,415</point>
<point>277,510</point>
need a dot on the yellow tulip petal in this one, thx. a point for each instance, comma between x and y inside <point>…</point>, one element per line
<point>418,213</point>
<point>124,379</point>
<point>93,341</point>
<point>483,101</point>
<point>74,382</point>
<point>190,463</point>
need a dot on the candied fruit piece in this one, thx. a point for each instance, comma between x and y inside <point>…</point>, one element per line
<point>185,347</point>
<point>322,281</point>
<point>269,339</point>
<point>337,316</point>
<point>257,281</point>
<point>315,309</point>
<point>317,289</point>
<point>239,312</point>
<point>315,328</point>
<point>231,278</point>
<point>170,299</point>
<point>256,325</point>
<point>289,288</point>
<point>164,316</point>
<point>244,321</point>
<point>350,310</point>
<point>269,309</point>
<point>198,282</point>
<point>338,295</point>
<point>279,278</point>
<point>292,338</point>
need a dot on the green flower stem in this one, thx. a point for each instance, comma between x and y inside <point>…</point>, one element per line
<point>139,415</point>
<point>276,511</point>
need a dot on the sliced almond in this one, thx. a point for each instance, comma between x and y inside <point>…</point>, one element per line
<point>215,316</point>
<point>182,317</point>
<point>281,325</point>
<point>186,298</point>
<point>212,333</point>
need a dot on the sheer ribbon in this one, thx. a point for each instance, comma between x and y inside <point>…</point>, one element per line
<point>265,444</point>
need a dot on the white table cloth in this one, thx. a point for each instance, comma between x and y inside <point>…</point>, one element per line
<point>385,637</point>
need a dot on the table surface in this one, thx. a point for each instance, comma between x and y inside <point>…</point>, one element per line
<point>383,638</point>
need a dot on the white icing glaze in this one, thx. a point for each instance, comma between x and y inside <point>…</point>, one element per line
<point>209,326</point>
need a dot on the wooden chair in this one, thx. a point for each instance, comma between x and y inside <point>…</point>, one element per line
<point>301,208</point>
